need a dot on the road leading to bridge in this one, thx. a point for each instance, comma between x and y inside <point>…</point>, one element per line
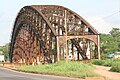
<point>7,74</point>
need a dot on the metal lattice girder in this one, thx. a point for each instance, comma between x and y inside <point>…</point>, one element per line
<point>34,37</point>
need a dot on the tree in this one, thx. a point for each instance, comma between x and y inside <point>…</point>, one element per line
<point>107,44</point>
<point>115,32</point>
<point>110,43</point>
<point>5,51</point>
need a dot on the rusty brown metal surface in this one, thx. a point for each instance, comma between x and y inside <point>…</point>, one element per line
<point>44,34</point>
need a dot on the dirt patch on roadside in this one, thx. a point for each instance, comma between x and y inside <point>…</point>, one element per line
<point>104,71</point>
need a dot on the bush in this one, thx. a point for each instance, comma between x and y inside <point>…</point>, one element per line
<point>104,56</point>
<point>107,62</point>
<point>97,62</point>
<point>115,68</point>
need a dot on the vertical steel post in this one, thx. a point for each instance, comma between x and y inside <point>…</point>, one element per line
<point>90,45</point>
<point>73,57</point>
<point>99,55</point>
<point>58,50</point>
<point>66,35</point>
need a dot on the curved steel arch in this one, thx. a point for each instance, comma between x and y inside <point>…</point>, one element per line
<point>35,20</point>
<point>59,11</point>
<point>45,26</point>
<point>76,25</point>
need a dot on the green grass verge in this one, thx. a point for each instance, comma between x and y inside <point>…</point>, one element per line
<point>113,63</point>
<point>73,69</point>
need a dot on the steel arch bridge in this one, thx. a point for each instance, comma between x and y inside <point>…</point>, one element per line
<point>49,33</point>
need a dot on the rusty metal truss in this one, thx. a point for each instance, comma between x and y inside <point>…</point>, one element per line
<point>49,33</point>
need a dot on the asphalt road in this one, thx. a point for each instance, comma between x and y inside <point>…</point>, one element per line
<point>7,74</point>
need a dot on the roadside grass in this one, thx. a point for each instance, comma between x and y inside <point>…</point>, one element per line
<point>113,63</point>
<point>73,69</point>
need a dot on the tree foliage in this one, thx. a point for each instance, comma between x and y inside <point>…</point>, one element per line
<point>110,43</point>
<point>5,51</point>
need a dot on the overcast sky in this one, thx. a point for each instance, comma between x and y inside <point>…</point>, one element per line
<point>103,15</point>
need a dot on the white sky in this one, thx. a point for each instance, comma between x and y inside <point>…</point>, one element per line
<point>101,14</point>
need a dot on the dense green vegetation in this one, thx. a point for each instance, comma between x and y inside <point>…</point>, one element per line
<point>5,51</point>
<point>74,69</point>
<point>113,63</point>
<point>107,62</point>
<point>110,43</point>
<point>116,68</point>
